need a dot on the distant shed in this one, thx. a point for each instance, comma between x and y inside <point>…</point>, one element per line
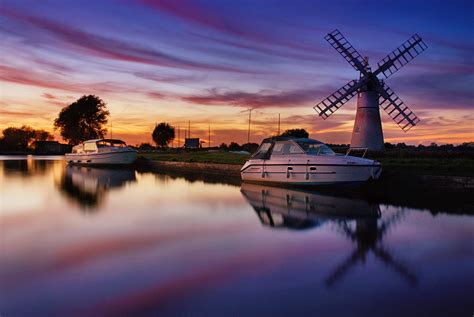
<point>192,143</point>
<point>50,147</point>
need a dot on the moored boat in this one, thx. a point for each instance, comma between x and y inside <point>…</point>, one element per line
<point>102,152</point>
<point>303,161</point>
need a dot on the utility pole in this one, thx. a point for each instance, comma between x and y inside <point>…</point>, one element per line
<point>209,140</point>
<point>278,125</point>
<point>189,129</point>
<point>178,136</point>
<point>250,118</point>
<point>111,130</point>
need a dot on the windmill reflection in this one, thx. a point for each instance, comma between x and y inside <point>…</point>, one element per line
<point>88,186</point>
<point>368,235</point>
<point>358,220</point>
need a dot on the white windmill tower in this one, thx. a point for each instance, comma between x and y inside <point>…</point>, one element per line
<point>372,92</point>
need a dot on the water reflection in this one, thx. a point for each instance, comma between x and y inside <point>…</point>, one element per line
<point>25,167</point>
<point>88,186</point>
<point>368,234</point>
<point>164,245</point>
<point>358,220</point>
<point>295,209</point>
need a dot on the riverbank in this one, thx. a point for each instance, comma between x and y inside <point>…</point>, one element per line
<point>442,165</point>
<point>440,193</point>
<point>442,175</point>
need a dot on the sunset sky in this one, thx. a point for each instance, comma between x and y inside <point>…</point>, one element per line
<point>208,61</point>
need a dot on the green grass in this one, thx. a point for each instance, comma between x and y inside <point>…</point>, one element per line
<point>426,166</point>
<point>429,166</point>
<point>199,157</point>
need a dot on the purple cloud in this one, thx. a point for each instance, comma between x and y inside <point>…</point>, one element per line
<point>109,48</point>
<point>260,99</point>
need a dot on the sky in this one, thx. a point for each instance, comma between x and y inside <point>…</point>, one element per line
<point>208,61</point>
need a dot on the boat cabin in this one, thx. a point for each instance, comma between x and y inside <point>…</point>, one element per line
<point>277,146</point>
<point>92,146</point>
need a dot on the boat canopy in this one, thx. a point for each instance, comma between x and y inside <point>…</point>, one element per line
<point>110,142</point>
<point>314,147</point>
<point>291,145</point>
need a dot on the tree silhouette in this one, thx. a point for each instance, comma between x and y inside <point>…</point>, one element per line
<point>20,138</point>
<point>82,120</point>
<point>297,133</point>
<point>234,146</point>
<point>43,135</point>
<point>163,134</point>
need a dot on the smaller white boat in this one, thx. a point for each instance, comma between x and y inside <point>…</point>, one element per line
<point>102,152</point>
<point>300,161</point>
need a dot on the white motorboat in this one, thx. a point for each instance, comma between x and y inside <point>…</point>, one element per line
<point>102,152</point>
<point>302,161</point>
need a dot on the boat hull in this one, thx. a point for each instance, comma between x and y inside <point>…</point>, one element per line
<point>309,174</point>
<point>109,158</point>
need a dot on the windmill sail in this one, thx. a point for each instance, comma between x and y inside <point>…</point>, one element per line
<point>350,54</point>
<point>401,56</point>
<point>335,100</point>
<point>396,109</point>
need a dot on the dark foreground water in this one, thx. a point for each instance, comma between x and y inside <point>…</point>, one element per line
<point>94,242</point>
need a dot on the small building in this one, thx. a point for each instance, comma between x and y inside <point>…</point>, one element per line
<point>192,143</point>
<point>50,147</point>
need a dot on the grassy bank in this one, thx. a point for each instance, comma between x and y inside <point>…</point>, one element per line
<point>413,165</point>
<point>429,166</point>
<point>199,157</point>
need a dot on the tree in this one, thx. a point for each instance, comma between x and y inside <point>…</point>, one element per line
<point>249,147</point>
<point>163,134</point>
<point>296,133</point>
<point>234,146</point>
<point>146,147</point>
<point>224,147</point>
<point>21,138</point>
<point>43,135</point>
<point>82,120</point>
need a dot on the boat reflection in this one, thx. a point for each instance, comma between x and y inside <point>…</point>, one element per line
<point>294,209</point>
<point>358,220</point>
<point>88,186</point>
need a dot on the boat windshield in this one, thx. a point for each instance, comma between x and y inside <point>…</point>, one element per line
<point>77,148</point>
<point>108,143</point>
<point>262,151</point>
<point>312,147</point>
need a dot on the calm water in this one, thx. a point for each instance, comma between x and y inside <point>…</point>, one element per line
<point>86,241</point>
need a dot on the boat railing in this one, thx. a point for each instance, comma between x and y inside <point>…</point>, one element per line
<point>365,149</point>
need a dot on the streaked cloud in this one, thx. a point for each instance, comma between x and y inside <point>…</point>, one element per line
<point>263,98</point>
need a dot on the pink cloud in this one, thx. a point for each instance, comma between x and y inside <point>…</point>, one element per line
<point>48,96</point>
<point>25,77</point>
<point>156,95</point>
<point>32,78</point>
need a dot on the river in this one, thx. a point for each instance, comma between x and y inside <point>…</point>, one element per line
<point>79,241</point>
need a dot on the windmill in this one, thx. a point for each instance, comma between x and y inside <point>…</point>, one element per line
<point>373,93</point>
